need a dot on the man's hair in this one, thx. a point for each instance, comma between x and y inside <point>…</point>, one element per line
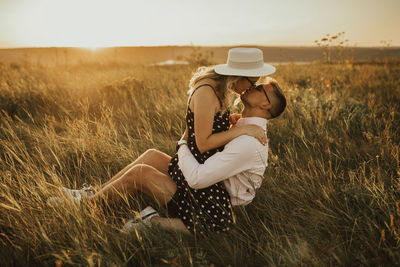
<point>279,107</point>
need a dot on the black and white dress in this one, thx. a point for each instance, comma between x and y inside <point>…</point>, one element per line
<point>202,210</point>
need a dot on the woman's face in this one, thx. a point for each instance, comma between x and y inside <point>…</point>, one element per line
<point>243,84</point>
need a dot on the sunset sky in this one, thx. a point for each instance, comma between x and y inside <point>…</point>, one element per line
<point>95,23</point>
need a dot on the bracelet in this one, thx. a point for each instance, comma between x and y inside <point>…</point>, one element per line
<point>179,143</point>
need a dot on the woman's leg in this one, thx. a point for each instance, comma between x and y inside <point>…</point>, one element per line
<point>140,177</point>
<point>152,157</point>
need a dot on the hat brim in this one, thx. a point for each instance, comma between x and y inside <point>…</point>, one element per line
<point>224,69</point>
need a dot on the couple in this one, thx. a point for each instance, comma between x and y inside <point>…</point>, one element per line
<point>217,165</point>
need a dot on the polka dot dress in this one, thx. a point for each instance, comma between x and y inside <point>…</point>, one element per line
<point>202,210</point>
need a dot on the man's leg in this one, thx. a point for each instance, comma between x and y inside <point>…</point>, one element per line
<point>152,157</point>
<point>174,224</point>
<point>140,177</point>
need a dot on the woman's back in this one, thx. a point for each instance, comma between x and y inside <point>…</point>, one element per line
<point>207,209</point>
<point>220,123</point>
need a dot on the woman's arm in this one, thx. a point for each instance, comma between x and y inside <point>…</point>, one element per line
<point>204,104</point>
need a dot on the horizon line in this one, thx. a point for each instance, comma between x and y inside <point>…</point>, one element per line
<point>189,45</point>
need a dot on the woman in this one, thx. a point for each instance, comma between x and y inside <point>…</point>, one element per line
<point>208,130</point>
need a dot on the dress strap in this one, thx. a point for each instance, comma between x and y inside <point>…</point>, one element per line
<point>219,99</point>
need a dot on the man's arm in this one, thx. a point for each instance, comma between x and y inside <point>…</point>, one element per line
<point>238,156</point>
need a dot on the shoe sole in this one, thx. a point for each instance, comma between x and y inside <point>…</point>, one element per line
<point>148,211</point>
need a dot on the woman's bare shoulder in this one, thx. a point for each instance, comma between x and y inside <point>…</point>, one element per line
<point>205,86</point>
<point>208,81</point>
<point>205,94</point>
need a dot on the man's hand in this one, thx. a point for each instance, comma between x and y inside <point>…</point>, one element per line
<point>234,118</point>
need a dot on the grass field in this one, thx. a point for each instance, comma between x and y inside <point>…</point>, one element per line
<point>330,194</point>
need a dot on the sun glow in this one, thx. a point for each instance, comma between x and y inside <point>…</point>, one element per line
<point>92,48</point>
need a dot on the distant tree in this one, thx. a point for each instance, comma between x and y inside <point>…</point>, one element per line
<point>386,45</point>
<point>198,57</point>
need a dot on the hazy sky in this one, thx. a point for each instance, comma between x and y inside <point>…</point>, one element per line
<point>201,22</point>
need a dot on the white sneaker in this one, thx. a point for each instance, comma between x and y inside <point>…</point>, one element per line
<point>74,195</point>
<point>141,220</point>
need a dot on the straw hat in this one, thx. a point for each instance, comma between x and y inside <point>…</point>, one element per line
<point>247,62</point>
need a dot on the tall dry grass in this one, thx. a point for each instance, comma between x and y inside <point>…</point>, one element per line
<point>330,194</point>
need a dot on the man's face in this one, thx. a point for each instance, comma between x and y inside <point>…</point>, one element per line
<point>244,84</point>
<point>259,95</point>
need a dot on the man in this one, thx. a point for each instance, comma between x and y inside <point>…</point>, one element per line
<point>240,165</point>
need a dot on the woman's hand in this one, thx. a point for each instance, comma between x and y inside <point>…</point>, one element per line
<point>255,131</point>
<point>234,118</point>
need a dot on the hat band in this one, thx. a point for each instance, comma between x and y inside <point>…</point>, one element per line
<point>246,65</point>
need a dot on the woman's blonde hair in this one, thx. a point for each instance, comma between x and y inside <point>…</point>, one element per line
<point>224,89</point>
